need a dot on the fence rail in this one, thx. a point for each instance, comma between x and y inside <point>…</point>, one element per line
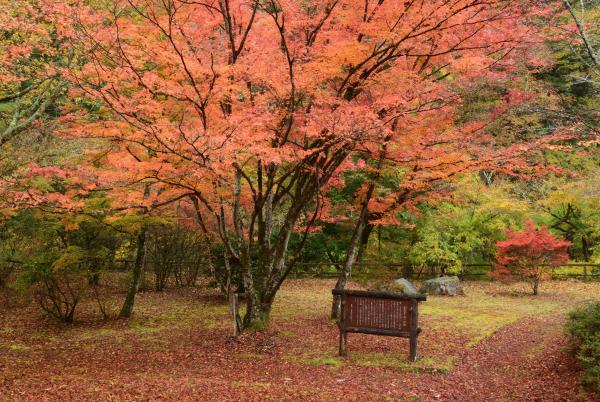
<point>326,270</point>
<point>586,271</point>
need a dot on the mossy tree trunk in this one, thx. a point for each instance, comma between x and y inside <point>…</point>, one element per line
<point>136,274</point>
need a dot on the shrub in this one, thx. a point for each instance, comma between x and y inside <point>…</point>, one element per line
<point>176,251</point>
<point>583,328</point>
<point>58,259</point>
<point>57,283</point>
<point>6,270</point>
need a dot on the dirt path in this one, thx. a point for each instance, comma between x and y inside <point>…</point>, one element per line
<point>525,361</point>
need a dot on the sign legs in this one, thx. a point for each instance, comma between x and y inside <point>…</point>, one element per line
<point>343,343</point>
<point>413,348</point>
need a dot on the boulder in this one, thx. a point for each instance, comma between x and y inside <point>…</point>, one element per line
<point>402,286</point>
<point>445,285</point>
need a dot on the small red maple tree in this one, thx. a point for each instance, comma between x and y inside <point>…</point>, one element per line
<point>529,255</point>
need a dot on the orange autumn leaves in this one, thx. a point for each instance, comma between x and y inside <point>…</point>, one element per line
<point>185,90</point>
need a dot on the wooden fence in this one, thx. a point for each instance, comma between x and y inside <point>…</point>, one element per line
<point>584,271</point>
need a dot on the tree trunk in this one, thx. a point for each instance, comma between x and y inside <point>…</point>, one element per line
<point>257,315</point>
<point>261,286</point>
<point>586,249</point>
<point>261,237</point>
<point>364,241</point>
<point>93,280</point>
<point>353,250</point>
<point>359,237</point>
<point>136,275</point>
<point>535,284</point>
<point>262,282</point>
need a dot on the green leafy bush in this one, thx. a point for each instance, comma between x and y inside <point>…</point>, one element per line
<point>583,328</point>
<point>57,283</point>
<point>56,258</point>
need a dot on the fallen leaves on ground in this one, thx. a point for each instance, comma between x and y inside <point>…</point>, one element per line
<point>493,344</point>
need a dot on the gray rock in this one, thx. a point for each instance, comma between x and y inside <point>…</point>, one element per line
<point>445,285</point>
<point>403,286</point>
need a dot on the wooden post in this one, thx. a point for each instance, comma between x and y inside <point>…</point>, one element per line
<point>413,347</point>
<point>342,324</point>
<point>414,330</point>
<point>343,343</point>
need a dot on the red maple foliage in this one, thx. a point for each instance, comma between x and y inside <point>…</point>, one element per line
<point>529,255</point>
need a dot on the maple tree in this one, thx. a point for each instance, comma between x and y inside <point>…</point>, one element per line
<point>406,176</point>
<point>31,56</point>
<point>529,255</point>
<point>243,112</point>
